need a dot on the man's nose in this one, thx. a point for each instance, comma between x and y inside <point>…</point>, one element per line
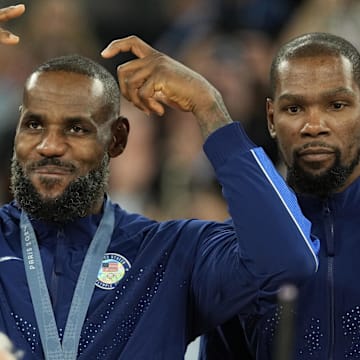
<point>52,143</point>
<point>315,124</point>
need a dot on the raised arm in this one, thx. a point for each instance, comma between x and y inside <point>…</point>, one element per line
<point>6,14</point>
<point>155,79</point>
<point>239,271</point>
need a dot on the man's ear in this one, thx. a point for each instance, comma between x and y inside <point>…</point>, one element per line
<point>270,117</point>
<point>120,132</point>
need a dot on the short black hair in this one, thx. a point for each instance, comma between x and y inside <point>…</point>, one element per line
<point>315,44</point>
<point>82,65</point>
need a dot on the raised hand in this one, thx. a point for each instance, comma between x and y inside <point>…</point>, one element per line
<point>6,14</point>
<point>154,79</point>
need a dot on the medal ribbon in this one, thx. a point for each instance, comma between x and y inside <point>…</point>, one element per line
<point>44,314</point>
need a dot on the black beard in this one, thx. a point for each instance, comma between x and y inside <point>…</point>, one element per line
<point>76,201</point>
<point>322,184</point>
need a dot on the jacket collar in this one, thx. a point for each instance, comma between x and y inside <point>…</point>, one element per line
<point>345,201</point>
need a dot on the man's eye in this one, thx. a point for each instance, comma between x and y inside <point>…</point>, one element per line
<point>34,125</point>
<point>77,129</point>
<point>338,105</point>
<point>293,109</point>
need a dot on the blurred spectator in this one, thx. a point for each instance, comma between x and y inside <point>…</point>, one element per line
<point>266,16</point>
<point>192,19</point>
<point>340,17</point>
<point>114,19</point>
<point>189,21</point>
<point>133,173</point>
<point>236,64</point>
<point>63,29</point>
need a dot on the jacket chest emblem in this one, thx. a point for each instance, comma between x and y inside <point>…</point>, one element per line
<point>113,269</point>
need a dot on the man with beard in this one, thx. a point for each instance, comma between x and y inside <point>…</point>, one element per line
<point>314,115</point>
<point>82,278</point>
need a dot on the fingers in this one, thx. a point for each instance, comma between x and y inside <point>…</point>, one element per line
<point>153,79</point>
<point>135,77</point>
<point>8,13</point>
<point>138,87</point>
<point>131,44</point>
<point>11,12</point>
<point>7,38</point>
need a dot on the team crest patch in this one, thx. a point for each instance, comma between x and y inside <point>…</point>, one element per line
<point>112,270</point>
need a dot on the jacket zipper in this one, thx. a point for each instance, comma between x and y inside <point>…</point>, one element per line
<point>330,249</point>
<point>57,269</point>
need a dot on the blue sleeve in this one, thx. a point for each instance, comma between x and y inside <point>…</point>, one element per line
<point>272,243</point>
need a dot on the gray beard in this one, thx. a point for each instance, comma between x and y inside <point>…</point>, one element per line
<point>329,182</point>
<point>76,201</point>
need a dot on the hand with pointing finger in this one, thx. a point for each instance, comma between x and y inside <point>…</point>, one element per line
<point>154,79</point>
<point>6,14</point>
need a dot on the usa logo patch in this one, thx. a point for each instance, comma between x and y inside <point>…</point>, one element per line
<point>112,270</point>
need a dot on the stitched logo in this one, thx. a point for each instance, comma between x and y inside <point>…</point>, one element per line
<point>112,270</point>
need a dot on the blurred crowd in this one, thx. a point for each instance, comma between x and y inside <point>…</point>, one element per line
<point>163,172</point>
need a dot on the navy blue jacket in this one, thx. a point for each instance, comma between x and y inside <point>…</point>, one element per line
<point>180,278</point>
<point>327,312</point>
